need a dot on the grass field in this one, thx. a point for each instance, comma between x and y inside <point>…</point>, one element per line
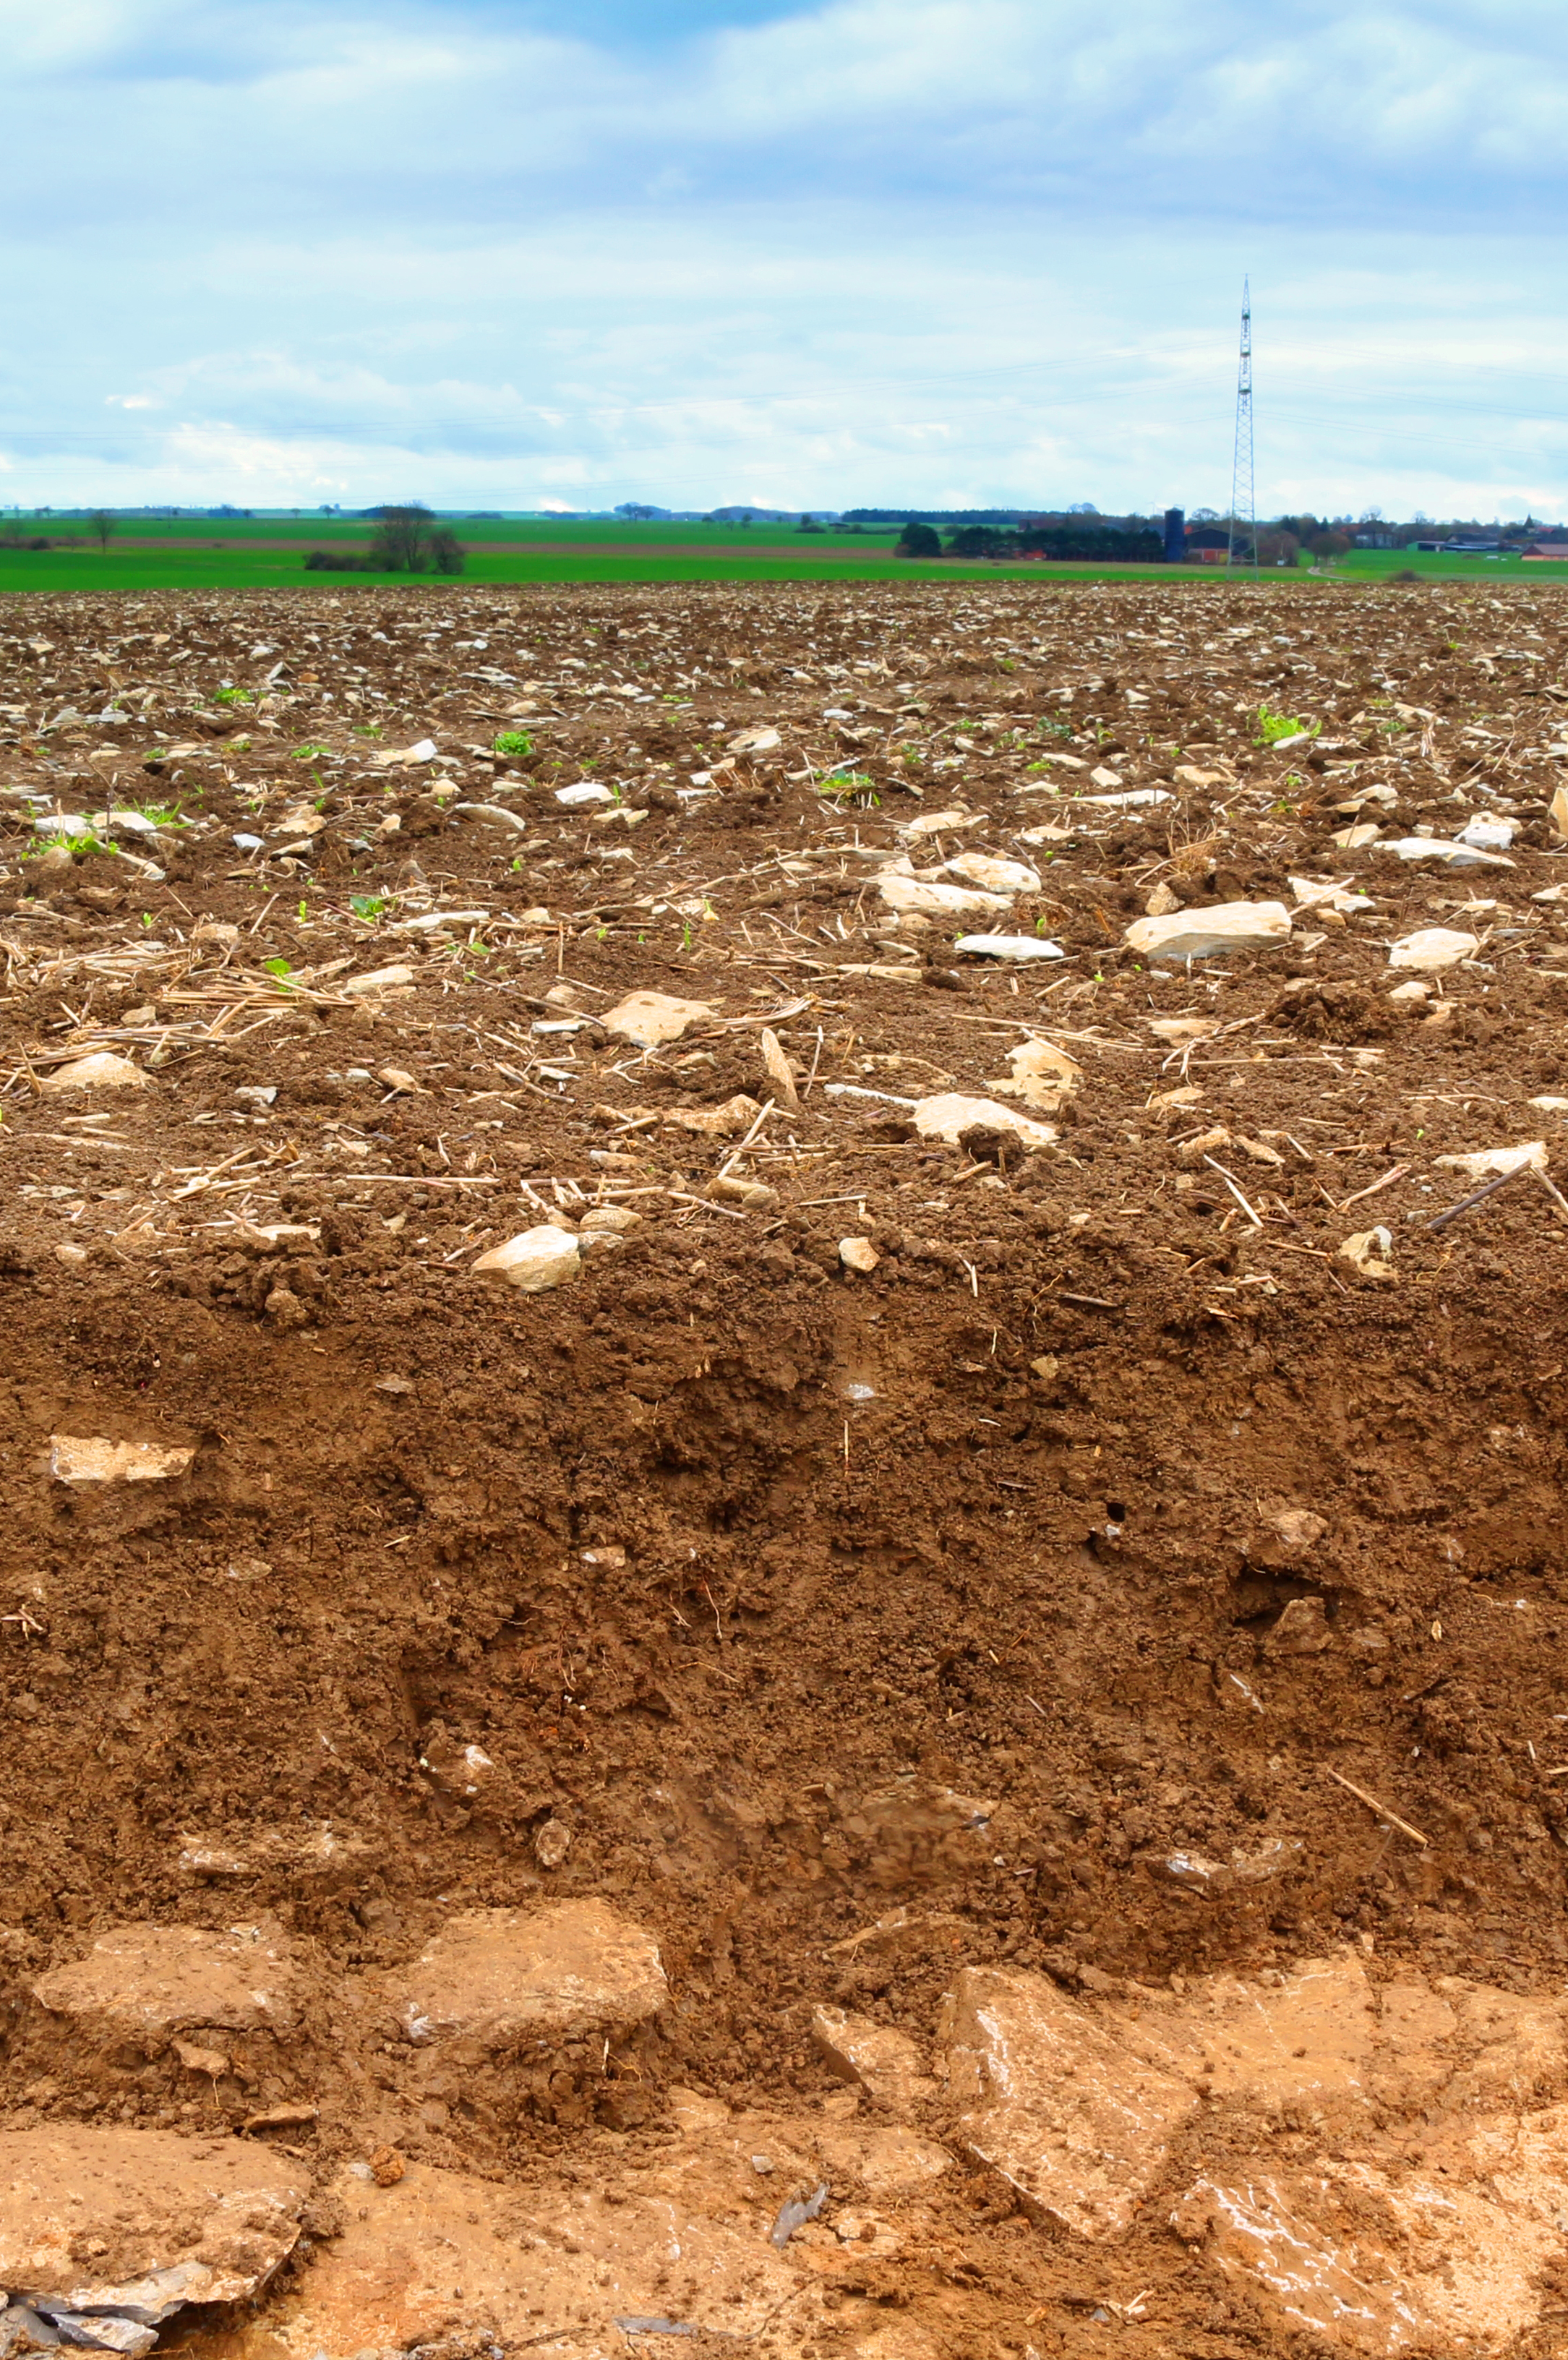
<point>268,551</point>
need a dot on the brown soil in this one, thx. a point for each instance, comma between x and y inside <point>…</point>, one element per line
<point>1085,1539</point>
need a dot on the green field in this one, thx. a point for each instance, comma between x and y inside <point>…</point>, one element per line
<point>269,551</point>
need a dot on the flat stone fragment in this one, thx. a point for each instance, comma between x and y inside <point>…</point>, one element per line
<point>503,1975</point>
<point>380,979</point>
<point>941,822</point>
<point>1382,2260</point>
<point>1209,933</point>
<point>1043,1075</point>
<point>153,1981</point>
<point>1295,2043</point>
<point>727,1121</point>
<point>651,1018</point>
<point>535,1260</point>
<point>931,897</point>
<point>1018,949</point>
<point>994,876</point>
<point>950,1112</point>
<point>309,1854</point>
<point>437,2252</point>
<point>1369,1250</point>
<point>1431,948</point>
<point>875,2058</point>
<point>76,1458</point>
<point>1485,1163</point>
<point>1436,847</point>
<point>179,2219</point>
<point>102,1071</point>
<point>1070,2116</point>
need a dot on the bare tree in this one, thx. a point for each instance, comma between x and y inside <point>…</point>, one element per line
<point>410,541</point>
<point>102,525</point>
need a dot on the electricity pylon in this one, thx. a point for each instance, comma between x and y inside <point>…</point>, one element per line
<point>1243,518</point>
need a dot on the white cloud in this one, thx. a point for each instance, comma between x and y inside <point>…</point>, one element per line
<point>977,250</point>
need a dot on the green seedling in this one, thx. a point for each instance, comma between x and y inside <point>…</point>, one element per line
<point>370,906</point>
<point>233,696</point>
<point>686,935</point>
<point>79,846</point>
<point>850,787</point>
<point>514,744</point>
<point>311,752</point>
<point>516,864</point>
<point>280,970</point>
<point>1272,727</point>
<point>146,922</point>
<point>162,815</point>
<point>304,907</point>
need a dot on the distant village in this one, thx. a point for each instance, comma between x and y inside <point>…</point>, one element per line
<point>1171,537</point>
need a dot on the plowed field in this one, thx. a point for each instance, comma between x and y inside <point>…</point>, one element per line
<point>1073,1586</point>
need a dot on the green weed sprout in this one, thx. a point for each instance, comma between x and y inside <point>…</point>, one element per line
<point>850,787</point>
<point>311,752</point>
<point>304,907</point>
<point>1272,727</point>
<point>514,744</point>
<point>79,846</point>
<point>281,970</point>
<point>233,696</point>
<point>162,815</point>
<point>369,906</point>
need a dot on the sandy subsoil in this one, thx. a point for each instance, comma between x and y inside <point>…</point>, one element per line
<point>1115,1588</point>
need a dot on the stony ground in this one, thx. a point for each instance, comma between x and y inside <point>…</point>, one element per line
<point>975,1626</point>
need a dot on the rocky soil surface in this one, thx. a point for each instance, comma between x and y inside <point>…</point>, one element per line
<point>900,1691</point>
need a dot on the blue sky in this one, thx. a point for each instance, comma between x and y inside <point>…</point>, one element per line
<point>513,253</point>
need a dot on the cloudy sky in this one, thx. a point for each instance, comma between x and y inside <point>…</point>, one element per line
<point>563,252</point>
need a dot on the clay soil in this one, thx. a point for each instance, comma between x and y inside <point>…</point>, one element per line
<point>1035,1582</point>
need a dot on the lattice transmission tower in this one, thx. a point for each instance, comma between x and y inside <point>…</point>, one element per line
<point>1241,551</point>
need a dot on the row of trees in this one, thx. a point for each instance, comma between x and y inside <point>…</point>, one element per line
<point>1086,541</point>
